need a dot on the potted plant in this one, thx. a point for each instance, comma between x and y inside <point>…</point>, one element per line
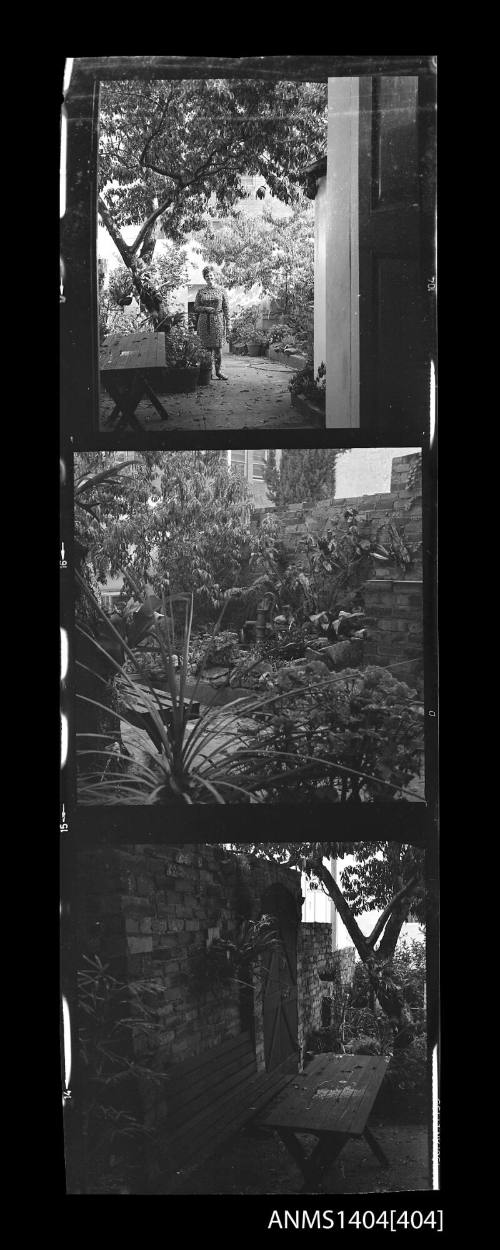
<point>258,344</point>
<point>307,391</point>
<point>246,338</point>
<point>205,375</point>
<point>182,361</point>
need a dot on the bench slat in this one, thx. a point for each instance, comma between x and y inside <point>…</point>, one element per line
<point>248,1100</point>
<point>195,1150</point>
<point>210,1057</point>
<point>201,1097</point>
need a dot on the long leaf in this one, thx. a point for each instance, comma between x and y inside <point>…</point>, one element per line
<point>88,481</point>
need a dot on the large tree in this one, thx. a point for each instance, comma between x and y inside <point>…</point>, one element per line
<point>178,520</point>
<point>170,151</point>
<point>276,253</point>
<point>387,877</point>
<point>305,475</point>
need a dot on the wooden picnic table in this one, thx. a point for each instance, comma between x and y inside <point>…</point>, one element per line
<point>130,366</point>
<point>332,1099</point>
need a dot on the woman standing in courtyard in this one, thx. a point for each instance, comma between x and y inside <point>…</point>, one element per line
<point>211,312</point>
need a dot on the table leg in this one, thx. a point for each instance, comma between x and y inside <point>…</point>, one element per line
<point>314,1165</point>
<point>377,1149</point>
<point>162,412</point>
<point>126,401</point>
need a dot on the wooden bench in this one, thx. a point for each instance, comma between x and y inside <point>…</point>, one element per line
<point>210,1098</point>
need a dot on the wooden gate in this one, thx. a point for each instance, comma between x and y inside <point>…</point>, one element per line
<point>396,156</point>
<point>280,981</point>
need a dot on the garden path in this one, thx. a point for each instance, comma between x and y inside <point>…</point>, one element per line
<point>256,395</point>
<point>260,1165</point>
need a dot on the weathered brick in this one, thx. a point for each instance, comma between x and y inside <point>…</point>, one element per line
<point>139,945</point>
<point>131,924</point>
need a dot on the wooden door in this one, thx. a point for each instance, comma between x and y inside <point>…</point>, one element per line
<point>280,985</point>
<point>396,211</point>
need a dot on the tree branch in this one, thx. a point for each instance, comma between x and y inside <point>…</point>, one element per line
<point>384,916</point>
<point>123,247</point>
<point>319,869</point>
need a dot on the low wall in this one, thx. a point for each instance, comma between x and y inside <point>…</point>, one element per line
<point>316,947</point>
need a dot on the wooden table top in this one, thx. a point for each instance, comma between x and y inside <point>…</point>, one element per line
<point>140,350</point>
<point>334,1094</point>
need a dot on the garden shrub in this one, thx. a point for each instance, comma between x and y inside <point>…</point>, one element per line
<point>308,385</point>
<point>364,720</point>
<point>116,1020</point>
<point>404,1094</point>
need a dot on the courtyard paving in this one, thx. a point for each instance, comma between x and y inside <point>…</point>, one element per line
<point>256,1162</point>
<point>256,396</point>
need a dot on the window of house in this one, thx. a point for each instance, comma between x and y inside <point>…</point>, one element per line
<point>259,463</point>
<point>108,600</point>
<point>237,463</point>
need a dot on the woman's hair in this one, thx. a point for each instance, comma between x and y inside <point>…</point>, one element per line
<point>207,269</point>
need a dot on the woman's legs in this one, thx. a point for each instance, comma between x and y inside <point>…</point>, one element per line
<point>218,362</point>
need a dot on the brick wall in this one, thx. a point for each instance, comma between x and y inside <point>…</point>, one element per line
<point>344,961</point>
<point>315,948</point>
<point>394,613</point>
<point>150,911</point>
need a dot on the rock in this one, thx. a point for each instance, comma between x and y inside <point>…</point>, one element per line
<point>317,668</point>
<point>250,673</point>
<point>224,649</point>
<point>363,1045</point>
<point>216,676</point>
<point>289,650</point>
<point>312,654</point>
<point>289,678</point>
<point>344,654</point>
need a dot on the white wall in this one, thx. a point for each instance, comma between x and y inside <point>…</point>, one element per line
<point>342,269</point>
<point>318,908</point>
<point>320,351</point>
<point>366,470</point>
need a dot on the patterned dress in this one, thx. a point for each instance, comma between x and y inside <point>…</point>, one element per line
<point>211,308</point>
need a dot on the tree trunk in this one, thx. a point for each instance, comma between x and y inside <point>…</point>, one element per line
<point>388,992</point>
<point>142,250</point>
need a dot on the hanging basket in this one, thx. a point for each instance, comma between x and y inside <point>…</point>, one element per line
<point>327,971</point>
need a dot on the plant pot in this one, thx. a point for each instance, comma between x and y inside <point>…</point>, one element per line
<point>179,381</point>
<point>205,376</point>
<point>306,407</point>
<point>254,348</point>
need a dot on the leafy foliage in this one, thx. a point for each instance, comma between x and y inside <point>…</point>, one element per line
<point>234,960</point>
<point>404,1094</point>
<point>171,152</point>
<point>387,982</point>
<point>274,253</point>
<point>370,881</point>
<point>305,475</point>
<point>114,1018</point>
<point>175,519</point>
<point>310,385</point>
<point>354,736</point>
<point>167,147</point>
